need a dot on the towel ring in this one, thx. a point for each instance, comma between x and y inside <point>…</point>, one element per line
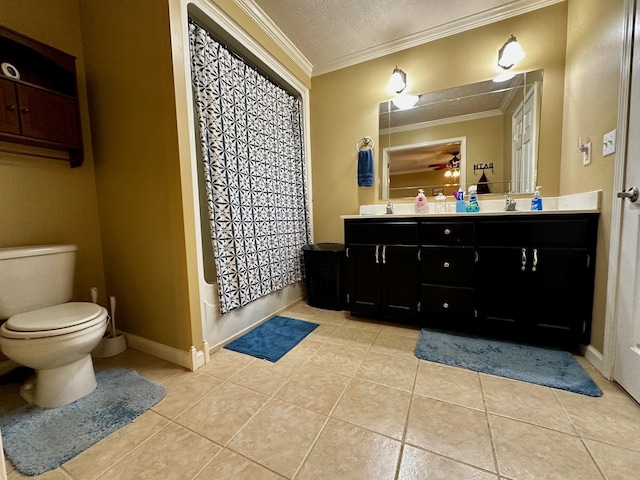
<point>364,142</point>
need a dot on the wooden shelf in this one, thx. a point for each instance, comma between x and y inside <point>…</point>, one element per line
<point>39,108</point>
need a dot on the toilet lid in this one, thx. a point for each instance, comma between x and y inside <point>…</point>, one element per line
<point>54,318</point>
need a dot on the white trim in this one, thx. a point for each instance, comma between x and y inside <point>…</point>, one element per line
<point>192,359</point>
<point>487,17</point>
<point>3,470</point>
<point>442,121</point>
<point>261,18</point>
<point>611,322</point>
<point>593,356</point>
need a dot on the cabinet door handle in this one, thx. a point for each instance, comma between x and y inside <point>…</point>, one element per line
<point>446,265</point>
<point>377,258</point>
<point>445,305</point>
<point>25,110</point>
<point>12,107</point>
<point>524,259</point>
<point>447,231</point>
<point>535,260</point>
<point>384,254</point>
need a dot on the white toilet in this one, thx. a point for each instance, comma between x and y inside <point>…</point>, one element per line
<point>43,331</point>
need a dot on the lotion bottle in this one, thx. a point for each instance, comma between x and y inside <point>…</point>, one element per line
<point>421,202</point>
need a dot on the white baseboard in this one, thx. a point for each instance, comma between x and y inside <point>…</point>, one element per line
<point>593,356</point>
<point>192,359</point>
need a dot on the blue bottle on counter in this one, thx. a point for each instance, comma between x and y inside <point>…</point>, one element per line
<point>473,205</point>
<point>536,201</point>
<point>461,206</point>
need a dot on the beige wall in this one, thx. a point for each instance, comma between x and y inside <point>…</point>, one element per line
<point>594,48</point>
<point>129,79</point>
<point>344,104</point>
<point>42,200</point>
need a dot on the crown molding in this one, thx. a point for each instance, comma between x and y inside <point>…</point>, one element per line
<point>272,30</point>
<point>470,22</point>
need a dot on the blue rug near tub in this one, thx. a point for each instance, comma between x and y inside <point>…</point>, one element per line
<point>543,366</point>
<point>273,339</point>
<point>37,440</point>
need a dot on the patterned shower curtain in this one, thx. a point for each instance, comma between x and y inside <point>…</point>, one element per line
<point>250,133</point>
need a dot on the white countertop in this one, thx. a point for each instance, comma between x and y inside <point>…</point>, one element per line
<point>588,202</point>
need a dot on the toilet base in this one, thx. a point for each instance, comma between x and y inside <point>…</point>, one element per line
<point>60,386</point>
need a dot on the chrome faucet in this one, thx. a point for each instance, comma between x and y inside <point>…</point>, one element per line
<point>389,207</point>
<point>510,204</point>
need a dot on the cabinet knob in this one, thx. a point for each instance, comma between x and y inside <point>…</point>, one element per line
<point>445,305</point>
<point>446,264</point>
<point>25,110</point>
<point>12,107</point>
<point>447,231</point>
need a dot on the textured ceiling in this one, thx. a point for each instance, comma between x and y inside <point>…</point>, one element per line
<point>326,31</point>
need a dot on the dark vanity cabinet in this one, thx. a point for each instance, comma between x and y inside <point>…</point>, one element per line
<point>543,272</point>
<point>38,96</point>
<point>382,268</point>
<point>522,276</point>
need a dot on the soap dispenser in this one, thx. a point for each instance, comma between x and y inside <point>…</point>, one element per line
<point>421,202</point>
<point>473,205</point>
<point>536,201</point>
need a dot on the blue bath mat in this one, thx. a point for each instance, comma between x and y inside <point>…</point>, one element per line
<point>37,440</point>
<point>543,366</point>
<point>273,339</point>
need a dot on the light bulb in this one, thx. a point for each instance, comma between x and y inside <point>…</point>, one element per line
<point>510,53</point>
<point>397,81</point>
<point>404,101</point>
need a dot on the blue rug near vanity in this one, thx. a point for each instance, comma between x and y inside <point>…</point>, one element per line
<point>273,339</point>
<point>542,366</point>
<point>37,440</point>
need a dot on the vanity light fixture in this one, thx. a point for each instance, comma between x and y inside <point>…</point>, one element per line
<point>453,167</point>
<point>402,101</point>
<point>510,53</point>
<point>397,81</point>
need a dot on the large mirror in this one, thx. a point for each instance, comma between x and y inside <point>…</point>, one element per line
<point>485,134</point>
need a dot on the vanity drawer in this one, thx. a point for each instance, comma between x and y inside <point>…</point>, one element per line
<point>449,265</point>
<point>556,231</point>
<point>439,302</point>
<point>381,233</point>
<point>446,233</point>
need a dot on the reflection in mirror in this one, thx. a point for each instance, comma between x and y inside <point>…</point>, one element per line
<point>499,123</point>
<point>435,164</point>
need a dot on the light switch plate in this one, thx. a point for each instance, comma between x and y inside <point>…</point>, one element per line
<point>609,143</point>
<point>586,154</point>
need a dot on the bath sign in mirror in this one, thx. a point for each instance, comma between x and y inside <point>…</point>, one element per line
<point>484,133</point>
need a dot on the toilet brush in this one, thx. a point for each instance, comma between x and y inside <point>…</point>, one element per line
<point>112,302</point>
<point>113,344</point>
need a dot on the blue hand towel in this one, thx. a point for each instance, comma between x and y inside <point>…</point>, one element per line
<point>365,168</point>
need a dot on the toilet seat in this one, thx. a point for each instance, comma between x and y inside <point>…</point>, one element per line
<point>54,321</point>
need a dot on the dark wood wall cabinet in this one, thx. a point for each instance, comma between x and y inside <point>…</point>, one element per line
<point>527,277</point>
<point>38,96</point>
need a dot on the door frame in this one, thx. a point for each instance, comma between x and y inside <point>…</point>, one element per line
<point>611,324</point>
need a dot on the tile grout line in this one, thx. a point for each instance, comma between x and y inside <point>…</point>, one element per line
<point>330,414</point>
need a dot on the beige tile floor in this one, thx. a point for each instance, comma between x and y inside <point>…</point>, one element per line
<point>352,402</point>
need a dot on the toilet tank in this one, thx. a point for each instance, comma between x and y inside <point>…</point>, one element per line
<point>35,277</point>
